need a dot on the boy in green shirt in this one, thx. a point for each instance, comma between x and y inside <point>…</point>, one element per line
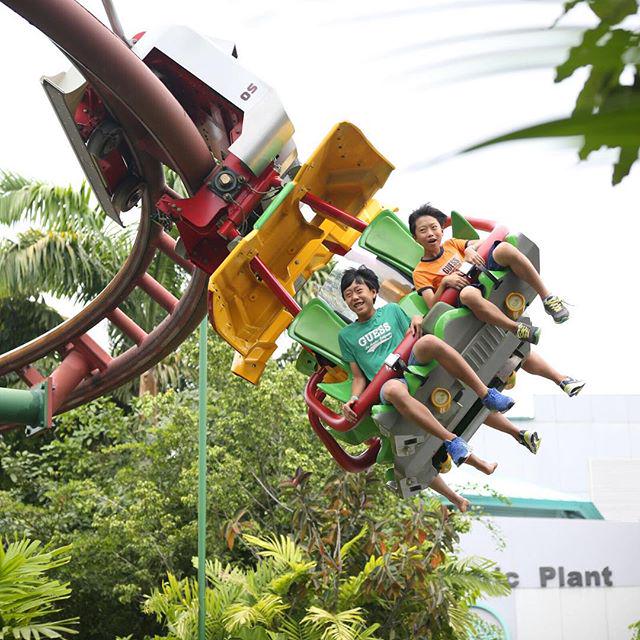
<point>366,343</point>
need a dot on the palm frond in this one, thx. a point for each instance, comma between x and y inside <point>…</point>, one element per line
<point>345,625</point>
<point>282,549</point>
<point>474,575</point>
<point>63,264</point>
<point>57,208</point>
<point>263,612</point>
<point>27,595</point>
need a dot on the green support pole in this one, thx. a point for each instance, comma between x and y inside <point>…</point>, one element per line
<point>202,479</point>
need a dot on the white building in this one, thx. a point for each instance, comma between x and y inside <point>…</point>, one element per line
<point>572,530</point>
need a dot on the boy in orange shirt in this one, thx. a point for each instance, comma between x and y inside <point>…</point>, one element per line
<point>438,269</point>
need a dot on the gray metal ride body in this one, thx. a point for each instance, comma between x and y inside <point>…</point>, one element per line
<point>491,352</point>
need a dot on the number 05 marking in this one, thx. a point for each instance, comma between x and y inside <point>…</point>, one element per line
<point>251,89</point>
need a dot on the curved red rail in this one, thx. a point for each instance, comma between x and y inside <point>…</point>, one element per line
<point>158,131</point>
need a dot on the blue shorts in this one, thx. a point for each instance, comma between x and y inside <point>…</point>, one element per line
<point>492,265</point>
<point>412,360</point>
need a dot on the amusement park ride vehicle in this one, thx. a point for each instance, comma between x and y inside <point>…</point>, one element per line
<point>173,97</point>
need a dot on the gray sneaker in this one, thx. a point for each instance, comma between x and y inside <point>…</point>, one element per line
<point>530,440</point>
<point>527,333</point>
<point>554,306</point>
<point>571,386</point>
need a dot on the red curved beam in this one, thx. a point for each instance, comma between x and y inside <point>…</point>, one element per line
<point>100,53</point>
<point>353,464</point>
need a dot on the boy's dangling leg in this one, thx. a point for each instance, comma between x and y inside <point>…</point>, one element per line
<point>528,439</point>
<point>486,311</point>
<point>439,485</point>
<point>481,465</point>
<point>431,348</point>
<point>536,365</point>
<point>397,394</point>
<point>506,255</point>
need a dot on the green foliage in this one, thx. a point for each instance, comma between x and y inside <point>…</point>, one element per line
<point>607,109</point>
<point>635,627</point>
<point>119,484</point>
<point>72,251</point>
<point>242,604</point>
<point>14,331</point>
<point>395,578</point>
<point>28,597</point>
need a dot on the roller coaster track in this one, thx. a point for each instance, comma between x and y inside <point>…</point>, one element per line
<point>159,131</point>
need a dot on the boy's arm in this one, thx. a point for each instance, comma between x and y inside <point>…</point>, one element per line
<point>358,385</point>
<point>471,253</point>
<point>454,281</point>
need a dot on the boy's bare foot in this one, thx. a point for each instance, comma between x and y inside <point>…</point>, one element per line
<point>482,465</point>
<point>462,504</point>
<point>490,467</point>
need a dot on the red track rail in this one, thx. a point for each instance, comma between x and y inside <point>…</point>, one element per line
<point>159,132</point>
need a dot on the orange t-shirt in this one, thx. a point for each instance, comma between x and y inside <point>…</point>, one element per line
<point>430,271</point>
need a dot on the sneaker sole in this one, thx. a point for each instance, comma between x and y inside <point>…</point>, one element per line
<point>508,408</point>
<point>576,390</point>
<point>535,443</point>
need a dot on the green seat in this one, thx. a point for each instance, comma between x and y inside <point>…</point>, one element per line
<point>388,237</point>
<point>421,370</point>
<point>488,284</point>
<point>413,304</point>
<point>365,430</point>
<point>386,453</point>
<point>460,228</point>
<point>317,327</point>
<point>275,203</point>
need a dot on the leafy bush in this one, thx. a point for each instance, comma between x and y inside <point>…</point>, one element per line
<point>340,573</point>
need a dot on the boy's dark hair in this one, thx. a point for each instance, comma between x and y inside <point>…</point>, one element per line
<point>425,210</point>
<point>363,275</point>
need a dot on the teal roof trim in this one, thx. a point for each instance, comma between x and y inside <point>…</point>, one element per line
<point>535,508</point>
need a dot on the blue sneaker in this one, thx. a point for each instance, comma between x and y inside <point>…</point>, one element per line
<point>497,401</point>
<point>458,449</point>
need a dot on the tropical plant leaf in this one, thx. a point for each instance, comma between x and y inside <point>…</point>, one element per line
<point>28,596</point>
<point>58,208</point>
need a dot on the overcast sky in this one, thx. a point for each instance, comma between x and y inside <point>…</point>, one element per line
<point>384,67</point>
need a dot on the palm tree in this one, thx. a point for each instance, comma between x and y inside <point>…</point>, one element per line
<point>73,252</point>
<point>28,597</point>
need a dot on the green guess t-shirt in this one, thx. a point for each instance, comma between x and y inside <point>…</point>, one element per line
<point>369,343</point>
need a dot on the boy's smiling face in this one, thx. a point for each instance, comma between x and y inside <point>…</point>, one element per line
<point>360,298</point>
<point>429,234</point>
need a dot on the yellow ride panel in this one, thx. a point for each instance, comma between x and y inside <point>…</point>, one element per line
<point>345,170</point>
